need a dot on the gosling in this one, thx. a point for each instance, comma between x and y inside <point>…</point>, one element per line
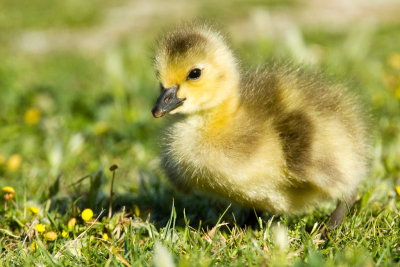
<point>279,140</point>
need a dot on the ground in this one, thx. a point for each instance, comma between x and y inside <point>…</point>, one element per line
<point>76,91</point>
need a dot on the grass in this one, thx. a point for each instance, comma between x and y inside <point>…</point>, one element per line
<point>67,115</point>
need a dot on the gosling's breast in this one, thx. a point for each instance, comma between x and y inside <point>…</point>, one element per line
<point>244,163</point>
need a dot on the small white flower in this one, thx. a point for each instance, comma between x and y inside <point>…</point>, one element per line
<point>162,257</point>
<point>281,240</point>
<point>76,143</point>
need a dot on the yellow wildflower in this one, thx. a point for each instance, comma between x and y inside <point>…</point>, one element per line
<point>397,187</point>
<point>397,92</point>
<point>14,162</point>
<point>71,223</point>
<point>100,128</point>
<point>105,236</point>
<point>34,210</point>
<point>64,234</point>
<point>8,192</point>
<point>33,246</point>
<point>137,210</point>
<point>32,116</point>
<point>40,228</point>
<point>394,61</point>
<point>50,236</point>
<point>87,214</point>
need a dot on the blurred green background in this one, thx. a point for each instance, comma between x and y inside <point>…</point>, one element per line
<point>77,84</point>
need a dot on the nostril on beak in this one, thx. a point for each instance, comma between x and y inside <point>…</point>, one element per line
<point>167,99</point>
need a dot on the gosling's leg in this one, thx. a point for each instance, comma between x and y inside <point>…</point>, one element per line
<point>343,208</point>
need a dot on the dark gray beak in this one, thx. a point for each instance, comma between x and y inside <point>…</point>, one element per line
<point>167,101</point>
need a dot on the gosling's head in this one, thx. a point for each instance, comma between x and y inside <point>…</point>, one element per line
<point>196,70</point>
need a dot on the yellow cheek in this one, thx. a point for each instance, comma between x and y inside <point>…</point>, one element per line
<point>181,92</point>
<point>193,89</point>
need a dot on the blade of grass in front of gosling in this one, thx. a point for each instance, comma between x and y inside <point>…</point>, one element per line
<point>136,246</point>
<point>216,229</point>
<point>218,222</point>
<point>259,219</point>
<point>151,232</point>
<point>190,234</point>
<point>198,239</point>
<point>129,241</point>
<point>171,220</point>
<point>185,233</point>
<point>166,228</point>
<point>173,225</point>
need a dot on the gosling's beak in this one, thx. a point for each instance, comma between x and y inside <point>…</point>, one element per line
<point>167,101</point>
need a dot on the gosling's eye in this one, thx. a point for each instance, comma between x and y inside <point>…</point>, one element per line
<point>194,74</point>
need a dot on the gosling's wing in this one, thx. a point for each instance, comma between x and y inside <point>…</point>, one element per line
<point>299,103</point>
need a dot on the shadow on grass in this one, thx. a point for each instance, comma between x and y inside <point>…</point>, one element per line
<point>154,200</point>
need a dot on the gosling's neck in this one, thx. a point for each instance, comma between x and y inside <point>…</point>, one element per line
<point>219,121</point>
<point>222,115</point>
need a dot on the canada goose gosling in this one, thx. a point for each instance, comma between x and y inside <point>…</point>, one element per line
<point>278,140</point>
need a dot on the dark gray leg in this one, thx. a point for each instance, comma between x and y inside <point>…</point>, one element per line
<point>343,208</point>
